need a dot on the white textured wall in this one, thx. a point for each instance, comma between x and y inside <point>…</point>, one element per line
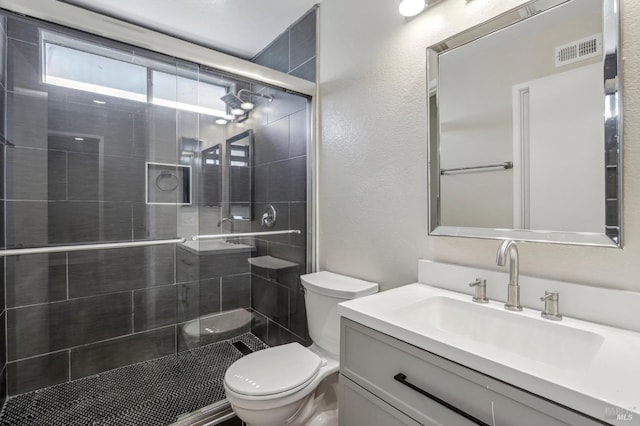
<point>373,150</point>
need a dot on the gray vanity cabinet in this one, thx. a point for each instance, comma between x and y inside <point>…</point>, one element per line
<point>384,381</point>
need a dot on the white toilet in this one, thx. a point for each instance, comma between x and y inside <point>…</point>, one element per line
<point>290,384</point>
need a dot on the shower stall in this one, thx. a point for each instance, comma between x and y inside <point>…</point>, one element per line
<point>154,226</point>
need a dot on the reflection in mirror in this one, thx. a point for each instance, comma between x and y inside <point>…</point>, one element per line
<point>240,166</point>
<point>211,172</point>
<point>524,128</point>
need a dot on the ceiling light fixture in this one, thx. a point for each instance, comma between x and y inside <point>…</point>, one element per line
<point>237,111</point>
<point>221,121</point>
<point>247,106</point>
<point>411,7</point>
<point>99,102</point>
<point>79,139</point>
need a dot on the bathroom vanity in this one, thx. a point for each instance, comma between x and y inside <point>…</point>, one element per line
<point>385,381</point>
<point>425,353</point>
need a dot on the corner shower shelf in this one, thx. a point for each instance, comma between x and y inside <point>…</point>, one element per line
<point>269,262</point>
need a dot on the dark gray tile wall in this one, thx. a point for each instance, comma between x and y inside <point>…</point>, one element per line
<point>74,314</point>
<point>3,136</point>
<point>91,311</point>
<point>280,170</point>
<point>294,51</point>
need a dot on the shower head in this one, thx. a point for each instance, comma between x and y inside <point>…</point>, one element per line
<point>232,100</point>
<point>236,103</point>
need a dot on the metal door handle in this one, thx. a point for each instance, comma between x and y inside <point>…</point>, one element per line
<point>402,378</point>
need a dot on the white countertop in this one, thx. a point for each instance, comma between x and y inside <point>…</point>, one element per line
<point>608,382</point>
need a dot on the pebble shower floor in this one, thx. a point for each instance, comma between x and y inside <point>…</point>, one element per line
<point>149,393</point>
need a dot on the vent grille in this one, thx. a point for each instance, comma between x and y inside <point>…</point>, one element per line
<point>579,50</point>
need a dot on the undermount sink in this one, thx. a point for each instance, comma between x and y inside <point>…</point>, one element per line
<point>588,366</point>
<point>468,324</point>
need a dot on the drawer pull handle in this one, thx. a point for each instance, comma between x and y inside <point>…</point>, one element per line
<point>402,378</point>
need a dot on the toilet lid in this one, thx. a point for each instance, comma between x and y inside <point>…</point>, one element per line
<point>274,370</point>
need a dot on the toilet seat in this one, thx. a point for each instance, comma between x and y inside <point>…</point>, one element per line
<point>273,372</point>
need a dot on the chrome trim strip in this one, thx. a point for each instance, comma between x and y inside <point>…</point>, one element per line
<point>86,247</point>
<point>94,23</point>
<point>243,234</point>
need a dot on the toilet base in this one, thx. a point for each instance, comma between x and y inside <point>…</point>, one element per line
<point>319,408</point>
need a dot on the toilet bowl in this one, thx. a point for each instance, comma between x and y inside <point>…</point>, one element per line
<point>290,384</point>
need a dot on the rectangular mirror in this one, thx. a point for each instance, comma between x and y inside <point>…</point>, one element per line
<point>525,126</point>
<point>240,167</point>
<point>211,176</point>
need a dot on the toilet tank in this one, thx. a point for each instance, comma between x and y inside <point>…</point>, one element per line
<point>323,291</point>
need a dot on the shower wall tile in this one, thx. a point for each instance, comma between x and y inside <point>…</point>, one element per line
<point>282,222</point>
<point>36,373</point>
<point>298,312</point>
<point>84,179</point>
<point>3,339</point>
<point>288,180</point>
<point>278,335</point>
<point>306,71</point>
<point>298,220</point>
<point>26,223</point>
<point>3,52</point>
<point>36,278</point>
<point>209,296</point>
<point>276,55</point>
<point>113,127</point>
<point>155,134</point>
<point>61,325</point>
<point>153,308</point>
<point>290,253</point>
<point>236,292</point>
<point>106,178</point>
<point>79,221</point>
<point>20,29</point>
<point>3,156</point>
<point>103,356</point>
<point>292,48</point>
<point>27,120</point>
<point>280,179</point>
<point>260,180</point>
<point>154,221</point>
<point>272,142</point>
<point>3,385</point>
<point>303,40</point>
<point>260,326</point>
<point>284,104</point>
<point>220,265</point>
<point>23,70</point>
<point>270,299</point>
<point>108,271</point>
<point>298,133</point>
<point>36,174</point>
<point>187,265</point>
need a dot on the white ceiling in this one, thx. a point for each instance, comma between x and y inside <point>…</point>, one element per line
<point>239,27</point>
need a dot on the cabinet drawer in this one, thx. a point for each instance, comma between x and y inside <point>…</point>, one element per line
<point>373,359</point>
<point>359,407</point>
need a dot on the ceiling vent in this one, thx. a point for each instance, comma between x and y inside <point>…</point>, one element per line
<point>579,50</point>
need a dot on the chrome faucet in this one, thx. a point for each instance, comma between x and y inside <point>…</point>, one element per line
<point>513,289</point>
<point>231,225</point>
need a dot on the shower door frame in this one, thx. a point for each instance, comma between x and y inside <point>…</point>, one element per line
<point>60,13</point>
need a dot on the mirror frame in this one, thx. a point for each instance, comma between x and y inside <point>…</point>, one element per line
<point>612,134</point>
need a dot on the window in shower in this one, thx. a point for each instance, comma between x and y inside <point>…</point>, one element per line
<point>103,74</point>
<point>76,64</point>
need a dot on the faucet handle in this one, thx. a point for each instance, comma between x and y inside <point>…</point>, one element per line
<point>551,301</point>
<point>481,290</point>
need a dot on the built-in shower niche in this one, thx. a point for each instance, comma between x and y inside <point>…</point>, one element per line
<point>168,184</point>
